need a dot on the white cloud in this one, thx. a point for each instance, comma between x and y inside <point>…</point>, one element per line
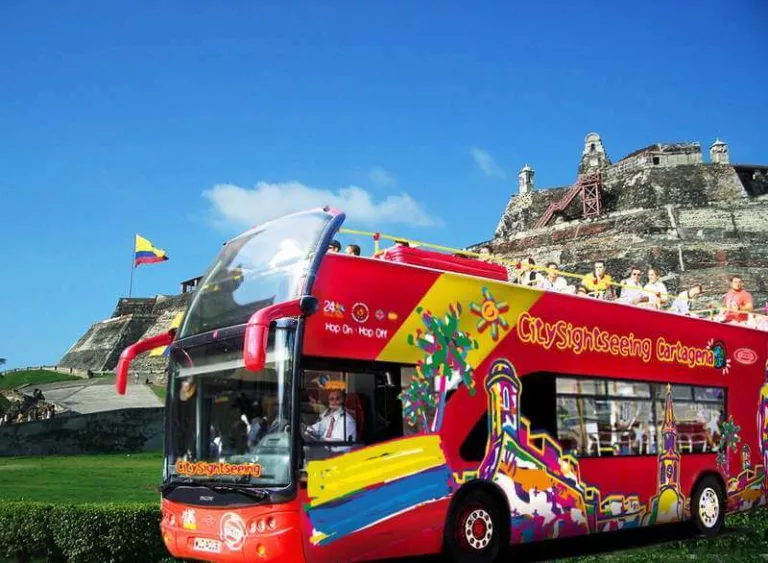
<point>381,177</point>
<point>486,163</point>
<point>233,206</point>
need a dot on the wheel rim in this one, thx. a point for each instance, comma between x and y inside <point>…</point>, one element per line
<point>477,528</point>
<point>709,507</point>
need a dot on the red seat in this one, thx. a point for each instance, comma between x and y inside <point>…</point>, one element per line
<point>355,406</point>
<point>445,262</point>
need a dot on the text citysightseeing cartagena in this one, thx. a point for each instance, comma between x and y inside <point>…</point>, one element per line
<point>578,339</point>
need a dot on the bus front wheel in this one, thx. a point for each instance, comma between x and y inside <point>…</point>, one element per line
<point>474,531</point>
<point>708,506</point>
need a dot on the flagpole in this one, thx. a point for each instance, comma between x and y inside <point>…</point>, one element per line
<point>133,266</point>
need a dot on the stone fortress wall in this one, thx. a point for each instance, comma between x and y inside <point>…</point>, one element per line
<point>699,222</point>
<point>133,319</point>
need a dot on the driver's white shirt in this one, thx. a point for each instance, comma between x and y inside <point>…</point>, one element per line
<point>331,426</point>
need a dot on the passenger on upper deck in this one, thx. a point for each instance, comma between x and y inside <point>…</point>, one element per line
<point>352,250</point>
<point>553,281</point>
<point>682,303</point>
<point>737,299</point>
<point>598,283</point>
<point>632,288</point>
<point>655,289</point>
<point>334,246</point>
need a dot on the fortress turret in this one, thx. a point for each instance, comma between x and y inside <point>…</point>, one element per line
<point>525,180</point>
<point>718,152</point>
<point>594,157</point>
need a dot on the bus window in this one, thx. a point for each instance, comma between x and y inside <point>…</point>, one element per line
<point>474,445</point>
<point>346,410</point>
<point>605,418</point>
<point>537,402</point>
<point>597,417</point>
<point>699,412</point>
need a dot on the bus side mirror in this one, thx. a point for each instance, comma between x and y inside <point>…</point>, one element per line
<point>257,329</point>
<point>127,356</point>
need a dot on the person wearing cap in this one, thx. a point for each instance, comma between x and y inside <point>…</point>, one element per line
<point>336,423</point>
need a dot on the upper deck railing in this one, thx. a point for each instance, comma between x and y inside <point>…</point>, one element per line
<point>713,311</point>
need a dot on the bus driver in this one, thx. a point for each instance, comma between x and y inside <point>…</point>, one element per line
<point>336,423</point>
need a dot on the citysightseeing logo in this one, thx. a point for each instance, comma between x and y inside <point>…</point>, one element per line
<point>564,336</point>
<point>202,468</point>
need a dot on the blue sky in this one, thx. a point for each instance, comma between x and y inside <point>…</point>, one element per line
<point>184,120</point>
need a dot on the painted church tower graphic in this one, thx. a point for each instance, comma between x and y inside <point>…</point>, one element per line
<point>668,504</point>
<point>545,500</point>
<point>503,392</point>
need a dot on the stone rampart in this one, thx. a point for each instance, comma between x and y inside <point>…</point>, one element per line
<point>119,431</point>
<point>689,245</point>
<point>99,348</point>
<point>134,306</point>
<point>633,183</point>
<point>165,312</point>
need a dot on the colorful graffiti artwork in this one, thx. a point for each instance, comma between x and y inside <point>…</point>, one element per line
<point>750,487</point>
<point>352,491</point>
<point>543,485</point>
<point>491,313</point>
<point>445,349</point>
<point>762,422</point>
<point>545,496</point>
<point>729,441</point>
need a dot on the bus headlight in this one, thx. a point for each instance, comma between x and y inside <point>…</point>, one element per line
<point>262,524</point>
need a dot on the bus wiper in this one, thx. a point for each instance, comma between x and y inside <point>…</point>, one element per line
<point>175,482</point>
<point>258,494</point>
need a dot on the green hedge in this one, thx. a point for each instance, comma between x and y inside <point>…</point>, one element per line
<point>87,533</point>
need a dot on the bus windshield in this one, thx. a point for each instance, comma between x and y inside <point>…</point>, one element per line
<point>228,424</point>
<point>265,265</point>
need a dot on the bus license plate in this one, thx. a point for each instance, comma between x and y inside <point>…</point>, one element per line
<point>209,546</point>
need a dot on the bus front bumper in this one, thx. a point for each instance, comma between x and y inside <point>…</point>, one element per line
<point>260,533</point>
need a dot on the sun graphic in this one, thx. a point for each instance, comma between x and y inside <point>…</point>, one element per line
<point>490,312</point>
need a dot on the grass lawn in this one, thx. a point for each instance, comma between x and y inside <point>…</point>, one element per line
<point>745,538</point>
<point>160,391</point>
<point>135,477</point>
<point>77,479</point>
<point>33,376</point>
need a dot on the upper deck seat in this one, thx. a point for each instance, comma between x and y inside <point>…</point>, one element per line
<point>444,262</point>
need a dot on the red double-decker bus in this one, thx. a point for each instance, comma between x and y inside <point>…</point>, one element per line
<point>325,407</point>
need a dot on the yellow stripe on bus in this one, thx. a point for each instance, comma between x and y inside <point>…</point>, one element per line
<point>337,477</point>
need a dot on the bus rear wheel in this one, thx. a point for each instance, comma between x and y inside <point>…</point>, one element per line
<point>708,506</point>
<point>475,531</point>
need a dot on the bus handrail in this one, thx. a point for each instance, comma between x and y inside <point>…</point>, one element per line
<point>518,265</point>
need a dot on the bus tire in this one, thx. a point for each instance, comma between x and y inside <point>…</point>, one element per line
<point>475,529</point>
<point>708,506</point>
